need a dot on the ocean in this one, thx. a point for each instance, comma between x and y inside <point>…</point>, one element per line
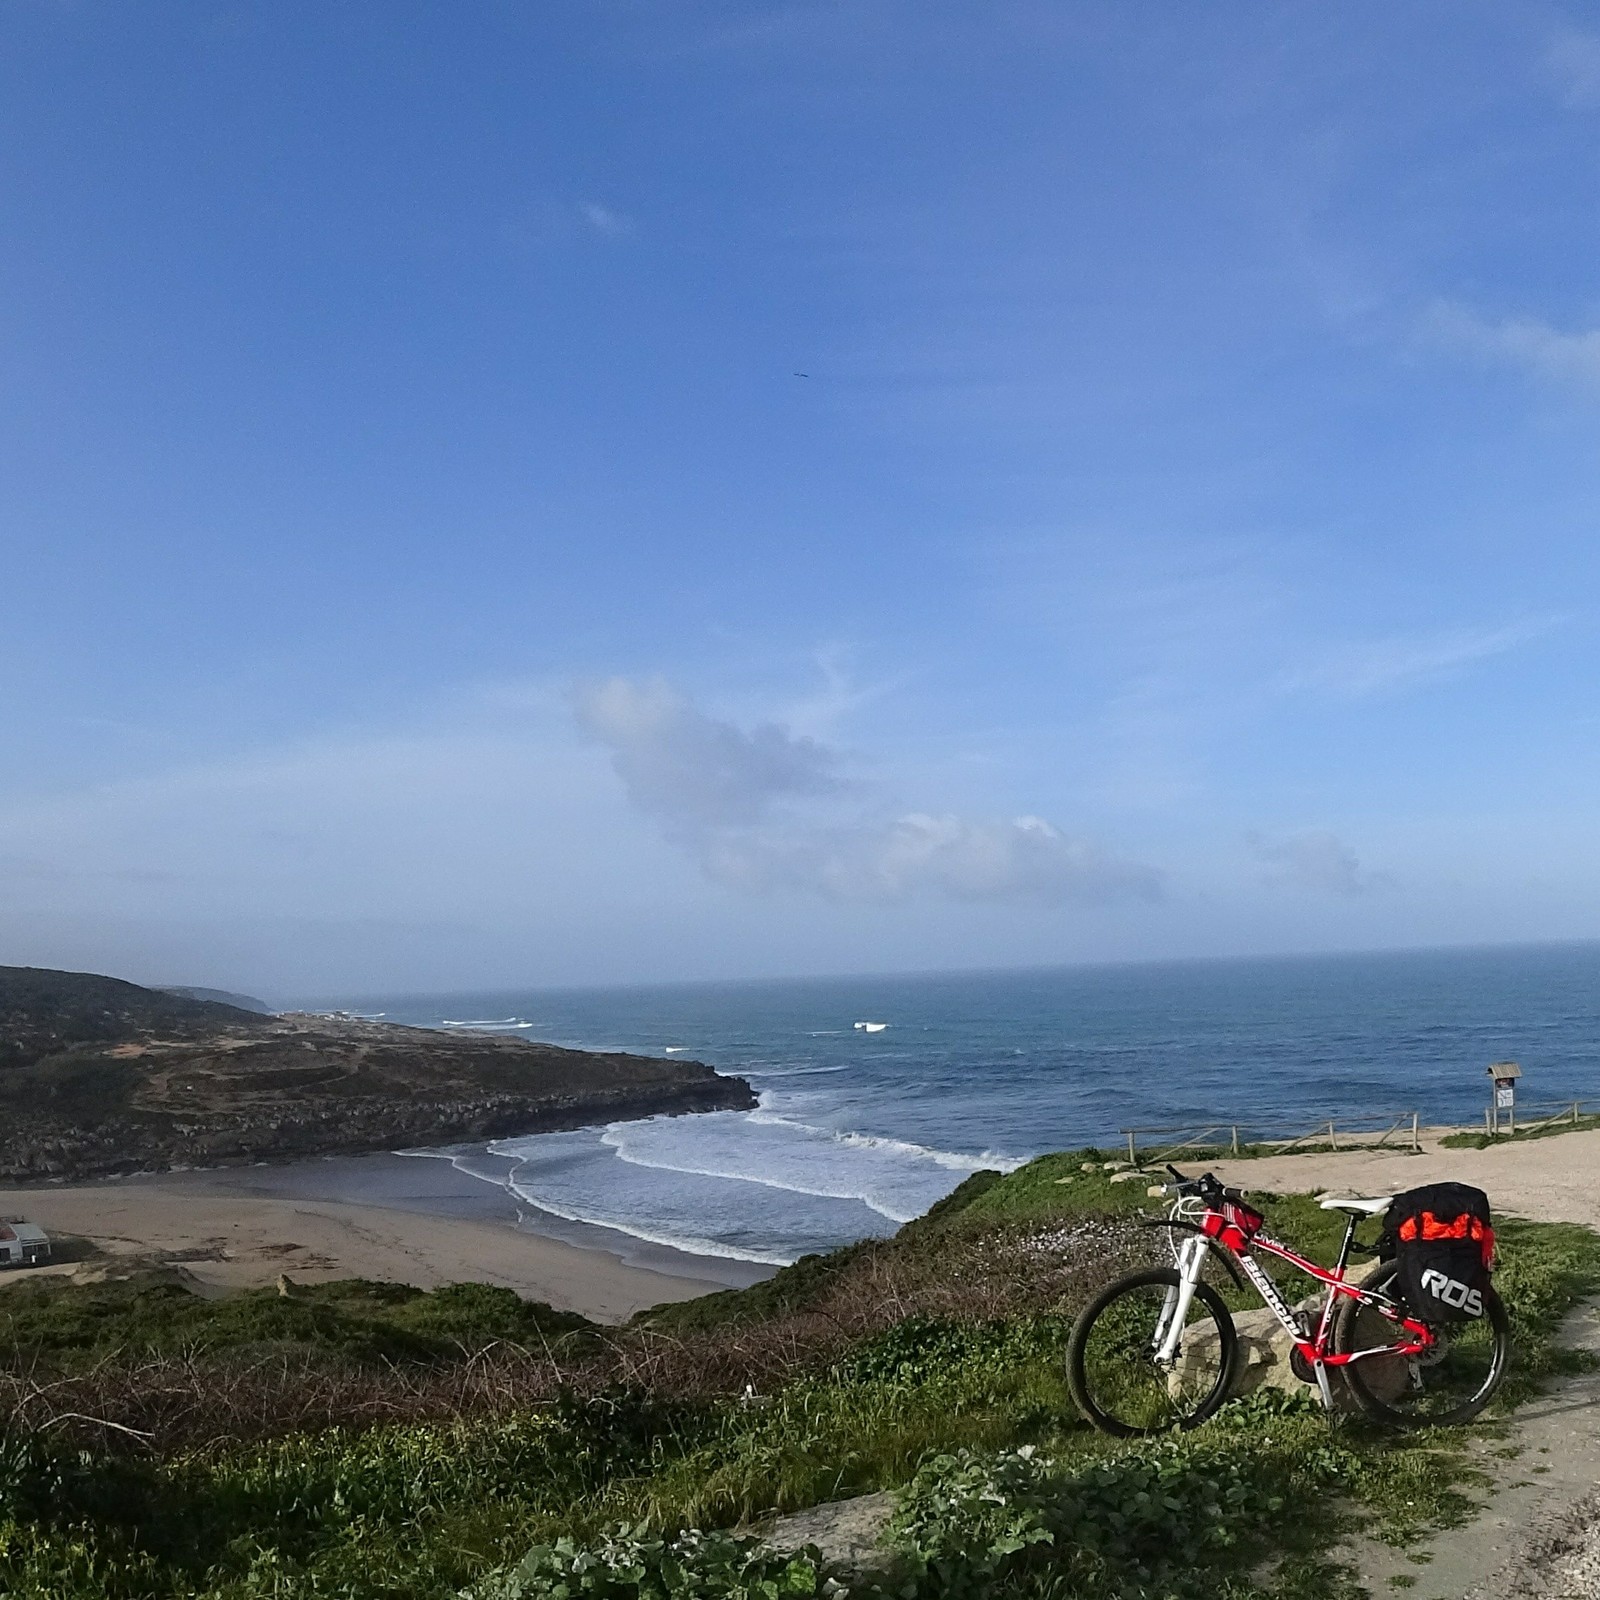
<point>860,1129</point>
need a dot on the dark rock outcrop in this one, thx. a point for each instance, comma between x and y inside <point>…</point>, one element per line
<point>101,1088</point>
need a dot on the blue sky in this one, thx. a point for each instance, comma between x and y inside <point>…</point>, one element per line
<point>425,564</point>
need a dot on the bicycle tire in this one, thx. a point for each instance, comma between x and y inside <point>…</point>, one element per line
<point>1094,1374</point>
<point>1485,1341</point>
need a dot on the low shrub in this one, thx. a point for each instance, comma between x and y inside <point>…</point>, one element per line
<point>631,1564</point>
<point>1152,1519</point>
<point>72,1325</point>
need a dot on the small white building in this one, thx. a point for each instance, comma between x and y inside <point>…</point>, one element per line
<point>23,1244</point>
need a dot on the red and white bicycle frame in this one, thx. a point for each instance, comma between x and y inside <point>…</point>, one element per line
<point>1237,1247</point>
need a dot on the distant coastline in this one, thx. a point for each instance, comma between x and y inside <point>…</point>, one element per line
<point>103,1078</point>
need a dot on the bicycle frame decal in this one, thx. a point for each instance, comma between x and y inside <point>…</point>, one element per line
<point>1418,1337</point>
<point>1268,1291</point>
<point>1415,1338</point>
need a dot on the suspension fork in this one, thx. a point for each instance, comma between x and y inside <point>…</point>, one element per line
<point>1175,1312</point>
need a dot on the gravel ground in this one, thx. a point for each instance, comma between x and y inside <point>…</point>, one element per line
<point>1537,1535</point>
<point>1560,1561</point>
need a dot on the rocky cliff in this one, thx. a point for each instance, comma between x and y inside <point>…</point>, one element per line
<point>143,1088</point>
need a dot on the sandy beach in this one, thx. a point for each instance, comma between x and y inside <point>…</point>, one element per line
<point>421,1222</point>
<point>240,1228</point>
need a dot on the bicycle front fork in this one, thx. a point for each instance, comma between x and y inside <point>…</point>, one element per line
<point>1175,1312</point>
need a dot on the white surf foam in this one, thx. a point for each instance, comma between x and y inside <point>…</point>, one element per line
<point>671,1241</point>
<point>789,1072</point>
<point>955,1160</point>
<point>895,1178</point>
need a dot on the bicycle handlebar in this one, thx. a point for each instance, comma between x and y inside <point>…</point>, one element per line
<point>1207,1186</point>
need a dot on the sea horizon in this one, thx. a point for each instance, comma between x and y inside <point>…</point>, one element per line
<point>859,1130</point>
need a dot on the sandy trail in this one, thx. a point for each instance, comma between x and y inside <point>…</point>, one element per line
<point>231,1242</point>
<point>1551,1180</point>
<point>1537,1535</point>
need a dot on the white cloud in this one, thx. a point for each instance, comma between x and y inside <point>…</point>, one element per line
<point>1317,860</point>
<point>604,220</point>
<point>728,797</point>
<point>1390,666</point>
<point>1524,342</point>
<point>1025,859</point>
<point>690,770</point>
<point>1573,60</point>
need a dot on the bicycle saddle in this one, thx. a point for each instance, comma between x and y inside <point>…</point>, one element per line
<point>1357,1208</point>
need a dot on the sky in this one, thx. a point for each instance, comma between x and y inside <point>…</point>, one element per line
<point>503,493</point>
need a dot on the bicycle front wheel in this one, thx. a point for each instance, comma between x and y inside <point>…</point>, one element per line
<point>1115,1368</point>
<point>1451,1384</point>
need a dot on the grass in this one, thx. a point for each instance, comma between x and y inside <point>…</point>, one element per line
<point>1465,1140</point>
<point>933,1361</point>
<point>80,1325</point>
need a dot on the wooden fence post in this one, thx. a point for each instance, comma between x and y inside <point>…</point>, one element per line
<point>1416,1143</point>
<point>1133,1159</point>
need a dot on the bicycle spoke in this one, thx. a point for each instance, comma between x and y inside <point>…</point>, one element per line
<point>1450,1383</point>
<point>1127,1380</point>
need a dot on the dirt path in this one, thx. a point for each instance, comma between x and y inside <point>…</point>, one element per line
<point>1536,1537</point>
<point>1551,1180</point>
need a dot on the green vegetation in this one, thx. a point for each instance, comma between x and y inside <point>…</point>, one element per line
<point>77,1326</point>
<point>1465,1140</point>
<point>364,1441</point>
<point>42,1010</point>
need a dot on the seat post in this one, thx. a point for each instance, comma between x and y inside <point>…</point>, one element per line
<point>1349,1237</point>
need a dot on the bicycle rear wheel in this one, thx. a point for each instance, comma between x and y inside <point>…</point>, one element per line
<point>1113,1367</point>
<point>1449,1385</point>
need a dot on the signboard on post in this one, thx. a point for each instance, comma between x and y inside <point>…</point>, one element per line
<point>1505,1075</point>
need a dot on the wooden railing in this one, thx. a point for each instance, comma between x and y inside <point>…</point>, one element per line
<point>1229,1137</point>
<point>1544,1114</point>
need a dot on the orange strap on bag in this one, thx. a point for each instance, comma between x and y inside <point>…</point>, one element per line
<point>1465,1226</point>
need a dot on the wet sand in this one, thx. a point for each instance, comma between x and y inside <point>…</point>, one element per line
<point>400,1219</point>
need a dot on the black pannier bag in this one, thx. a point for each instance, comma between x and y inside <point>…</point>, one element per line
<point>1442,1238</point>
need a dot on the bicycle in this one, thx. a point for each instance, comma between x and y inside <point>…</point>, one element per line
<point>1157,1349</point>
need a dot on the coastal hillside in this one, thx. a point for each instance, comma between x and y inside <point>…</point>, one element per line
<point>101,1077</point>
<point>244,1002</point>
<point>43,1011</point>
<point>372,1441</point>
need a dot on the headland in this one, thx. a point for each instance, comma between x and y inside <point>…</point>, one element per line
<point>105,1078</point>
